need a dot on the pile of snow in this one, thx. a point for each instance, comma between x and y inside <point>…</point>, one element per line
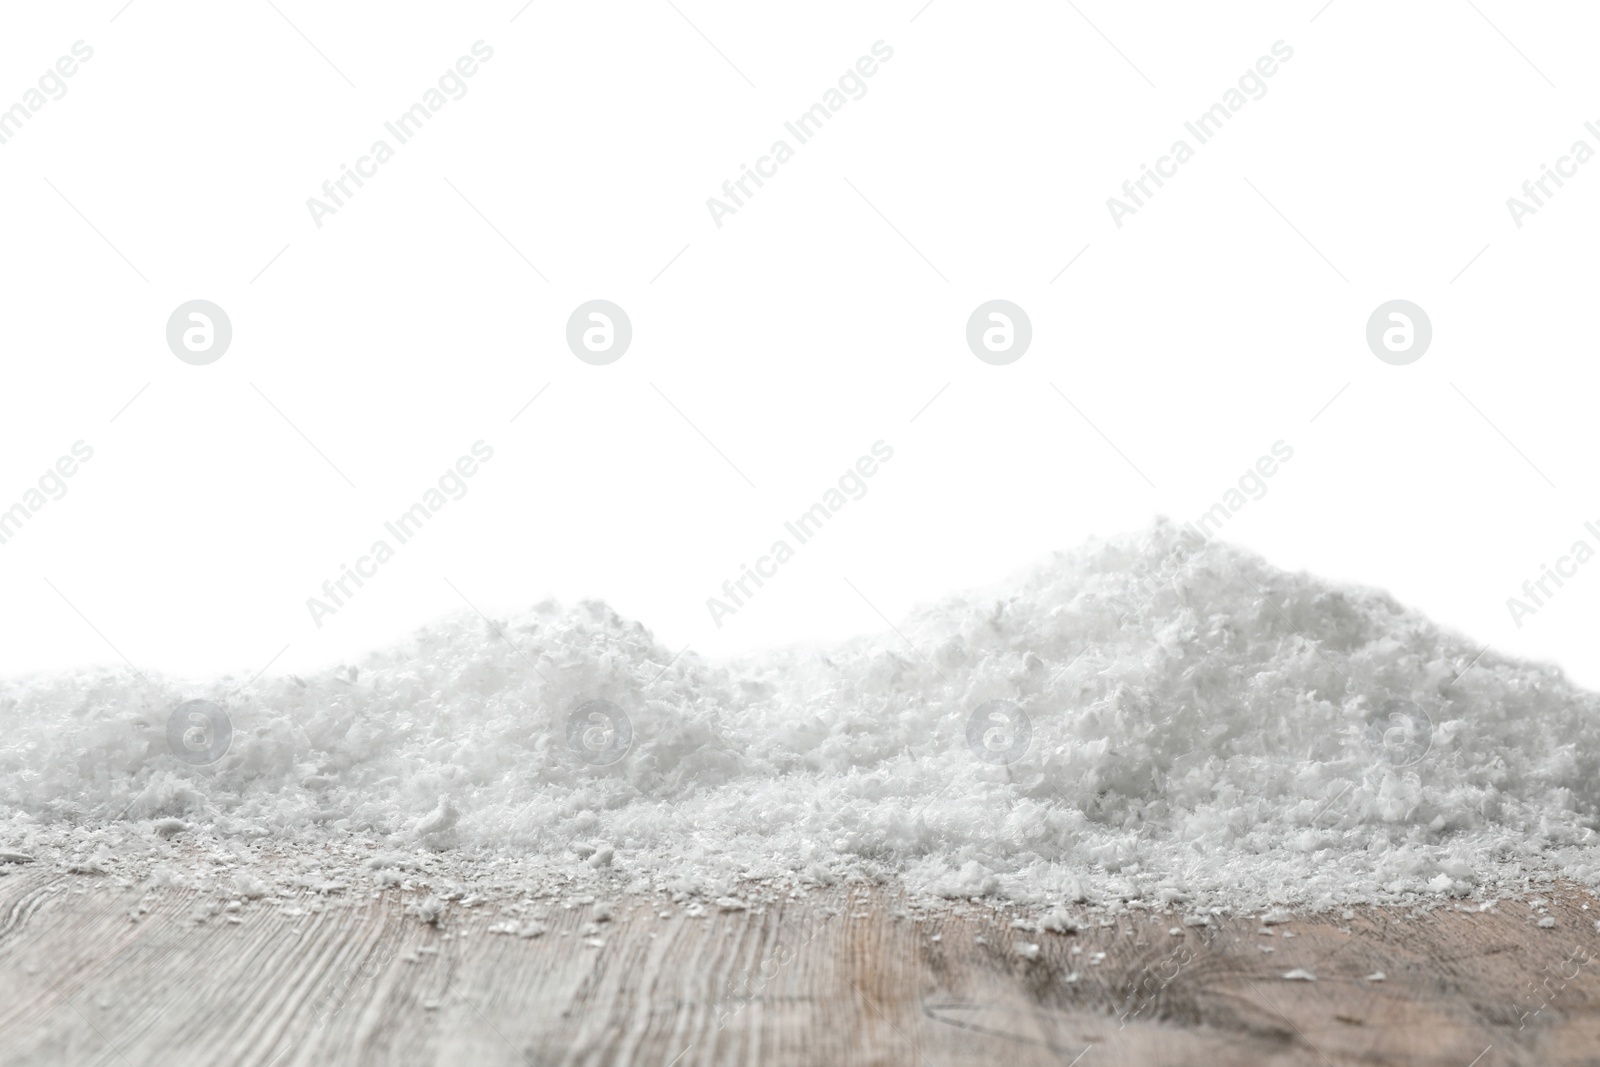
<point>1201,729</point>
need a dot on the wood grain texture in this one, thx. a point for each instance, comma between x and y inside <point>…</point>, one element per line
<point>94,974</point>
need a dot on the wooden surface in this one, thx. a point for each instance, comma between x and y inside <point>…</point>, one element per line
<point>95,974</point>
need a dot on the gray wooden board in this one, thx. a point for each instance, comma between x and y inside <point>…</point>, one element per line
<point>840,977</point>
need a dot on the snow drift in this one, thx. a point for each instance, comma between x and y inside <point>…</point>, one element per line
<point>1204,728</point>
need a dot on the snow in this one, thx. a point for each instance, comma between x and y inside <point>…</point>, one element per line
<point>1141,722</point>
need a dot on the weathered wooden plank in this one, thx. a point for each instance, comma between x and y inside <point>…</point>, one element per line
<point>836,978</point>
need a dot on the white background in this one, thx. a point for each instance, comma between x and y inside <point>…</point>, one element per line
<point>797,334</point>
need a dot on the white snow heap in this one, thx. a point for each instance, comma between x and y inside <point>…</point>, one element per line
<point>1214,729</point>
